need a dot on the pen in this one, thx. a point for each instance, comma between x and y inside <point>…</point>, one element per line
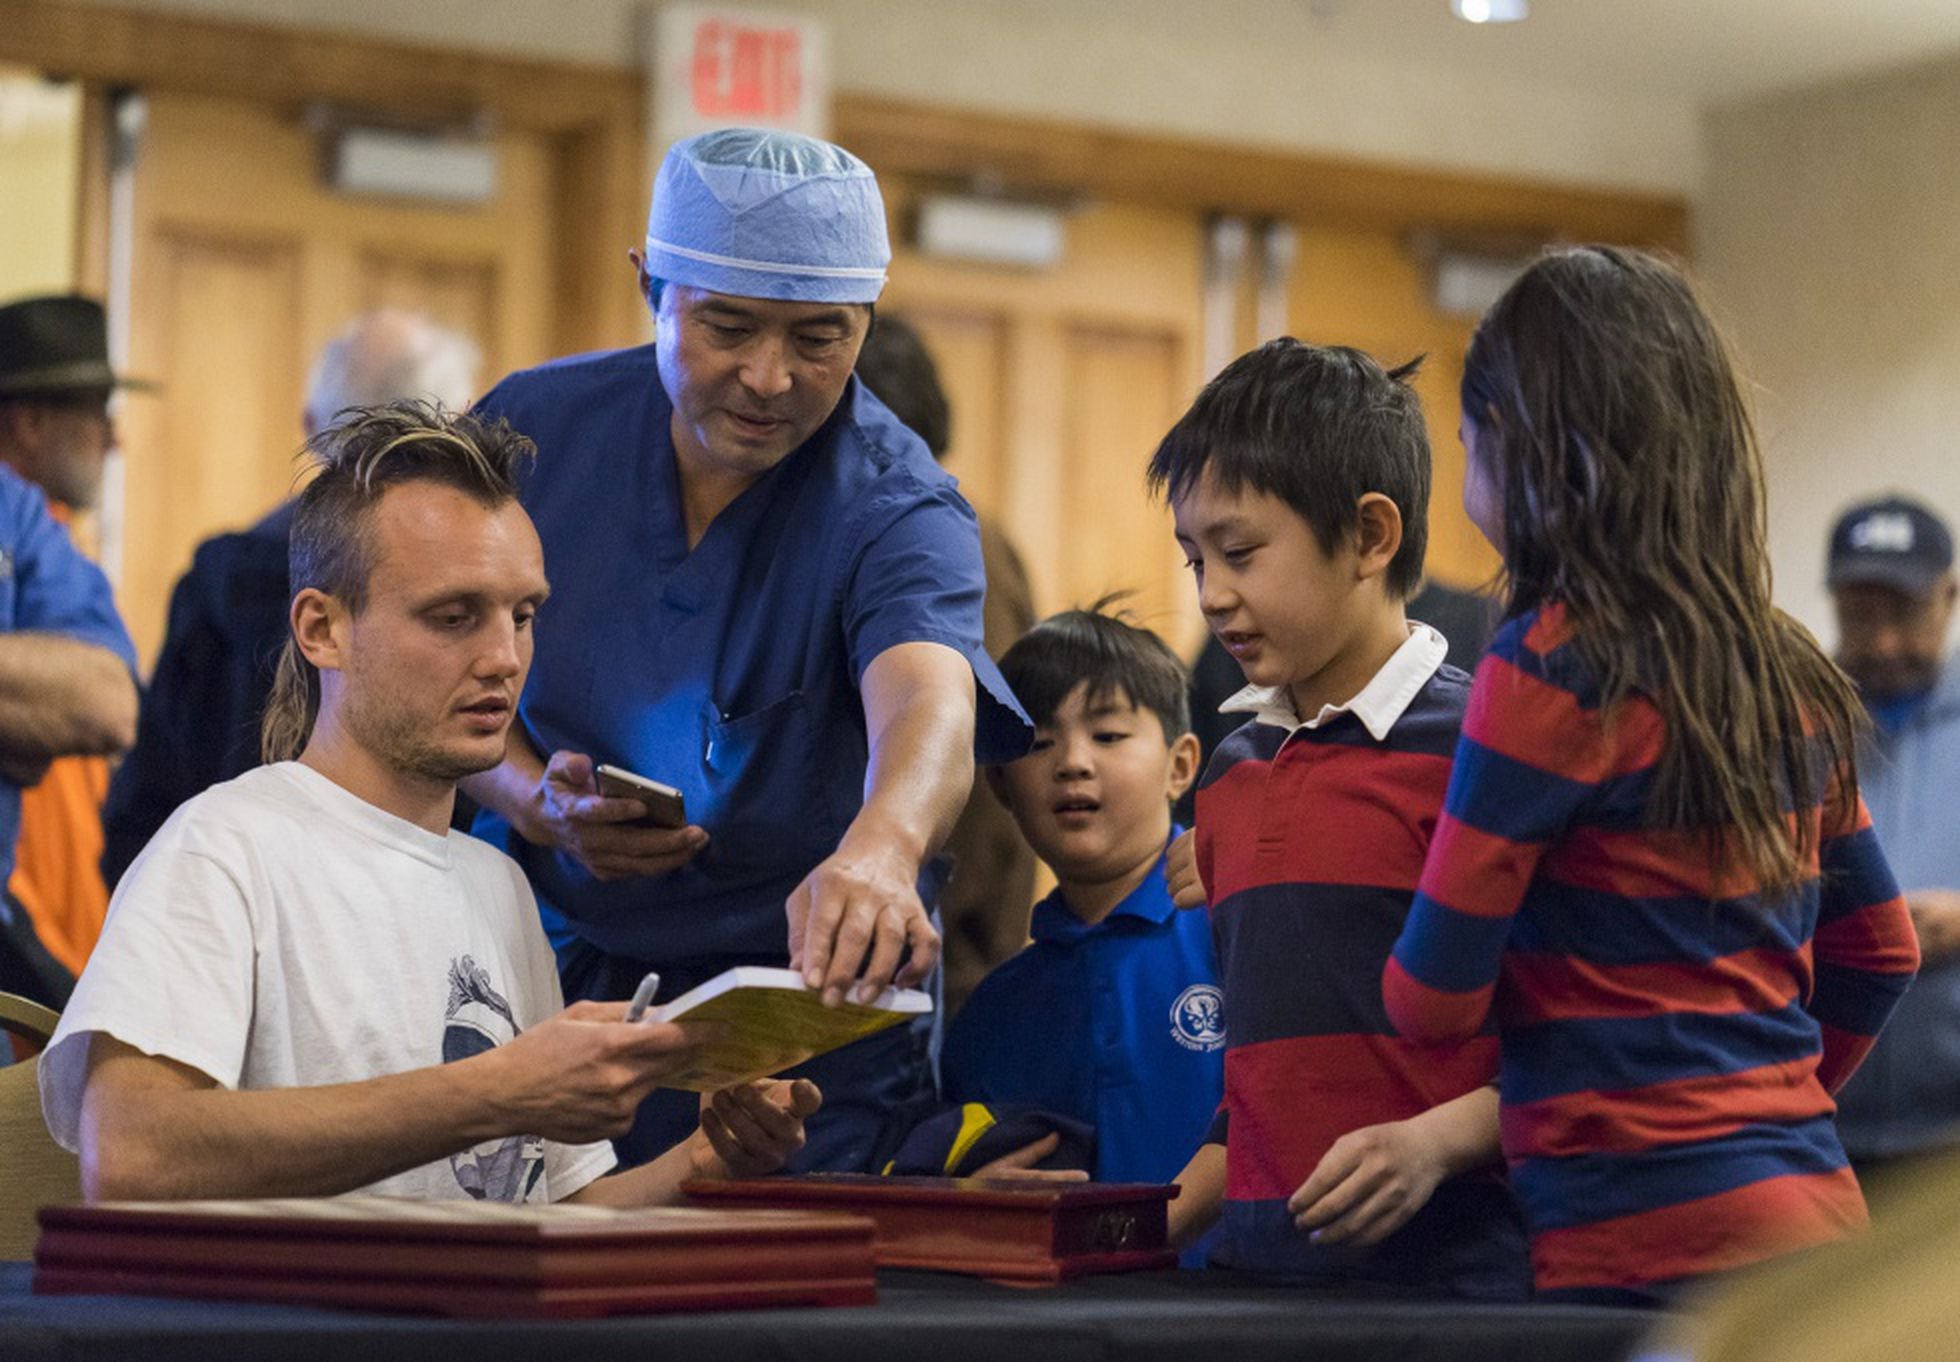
<point>642,996</point>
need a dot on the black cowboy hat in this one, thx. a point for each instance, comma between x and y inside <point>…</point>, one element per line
<point>56,345</point>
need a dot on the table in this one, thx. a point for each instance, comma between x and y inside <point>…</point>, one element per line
<point>920,1317</point>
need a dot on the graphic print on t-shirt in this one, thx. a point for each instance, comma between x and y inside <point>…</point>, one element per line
<point>477,1020</point>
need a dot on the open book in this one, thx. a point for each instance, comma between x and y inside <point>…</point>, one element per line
<point>768,1020</point>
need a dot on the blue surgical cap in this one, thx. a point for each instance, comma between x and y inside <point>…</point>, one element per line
<point>762,214</point>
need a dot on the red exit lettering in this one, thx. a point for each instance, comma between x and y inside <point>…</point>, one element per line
<point>743,72</point>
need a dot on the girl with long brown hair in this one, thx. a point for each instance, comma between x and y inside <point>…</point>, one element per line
<point>1653,873</point>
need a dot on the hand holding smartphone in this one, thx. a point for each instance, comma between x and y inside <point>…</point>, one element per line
<point>665,806</point>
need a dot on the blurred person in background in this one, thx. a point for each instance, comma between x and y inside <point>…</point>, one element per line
<point>1878,1297</point>
<point>199,723</point>
<point>1891,579</point>
<point>983,910</point>
<point>67,667</point>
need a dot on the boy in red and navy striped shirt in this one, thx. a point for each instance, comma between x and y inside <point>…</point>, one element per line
<point>1341,1154</point>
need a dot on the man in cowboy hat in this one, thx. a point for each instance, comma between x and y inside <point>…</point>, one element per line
<point>67,666</point>
<point>55,383</point>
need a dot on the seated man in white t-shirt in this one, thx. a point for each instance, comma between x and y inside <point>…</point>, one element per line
<point>308,984</point>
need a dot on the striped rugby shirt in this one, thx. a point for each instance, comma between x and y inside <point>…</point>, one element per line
<point>1669,1042</point>
<point>1310,841</point>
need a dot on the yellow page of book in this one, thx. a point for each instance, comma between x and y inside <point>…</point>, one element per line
<point>762,1031</point>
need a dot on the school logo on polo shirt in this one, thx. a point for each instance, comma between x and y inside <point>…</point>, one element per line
<point>1198,1018</point>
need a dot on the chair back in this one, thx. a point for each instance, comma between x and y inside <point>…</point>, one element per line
<point>37,1171</point>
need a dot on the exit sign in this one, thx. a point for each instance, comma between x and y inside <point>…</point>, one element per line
<point>716,67</point>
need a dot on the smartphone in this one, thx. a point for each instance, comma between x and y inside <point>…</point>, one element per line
<point>665,807</point>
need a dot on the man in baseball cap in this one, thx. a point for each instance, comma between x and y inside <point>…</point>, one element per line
<point>767,595</point>
<point>1891,578</point>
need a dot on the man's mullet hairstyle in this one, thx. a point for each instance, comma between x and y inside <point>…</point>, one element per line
<point>358,458</point>
<point>1101,648</point>
<point>1319,427</point>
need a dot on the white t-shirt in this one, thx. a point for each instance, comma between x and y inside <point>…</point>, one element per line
<point>282,932</point>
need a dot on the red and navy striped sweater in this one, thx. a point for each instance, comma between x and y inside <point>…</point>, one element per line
<point>1310,842</point>
<point>1669,1043</point>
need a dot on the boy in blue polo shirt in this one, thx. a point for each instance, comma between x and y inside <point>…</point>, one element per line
<point>1112,1015</point>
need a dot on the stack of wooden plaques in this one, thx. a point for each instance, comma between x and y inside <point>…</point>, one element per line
<point>1021,1232</point>
<point>460,1258</point>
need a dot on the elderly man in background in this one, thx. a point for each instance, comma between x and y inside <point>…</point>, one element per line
<point>67,684</point>
<point>768,596</point>
<point>1892,582</point>
<point>200,715</point>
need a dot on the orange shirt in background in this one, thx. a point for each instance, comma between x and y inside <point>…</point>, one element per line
<point>57,865</point>
<point>58,861</point>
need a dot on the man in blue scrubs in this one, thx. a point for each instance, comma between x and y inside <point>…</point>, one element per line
<point>767,594</point>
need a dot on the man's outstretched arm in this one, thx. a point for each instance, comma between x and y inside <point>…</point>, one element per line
<point>153,1128</point>
<point>860,909</point>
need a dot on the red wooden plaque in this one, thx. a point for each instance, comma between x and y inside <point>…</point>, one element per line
<point>457,1258</point>
<point>1027,1234</point>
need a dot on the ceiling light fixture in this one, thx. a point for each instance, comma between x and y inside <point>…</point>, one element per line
<point>1491,11</point>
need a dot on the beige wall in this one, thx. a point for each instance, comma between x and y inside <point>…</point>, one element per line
<point>1829,235</point>
<point>40,164</point>
<point>1267,74</point>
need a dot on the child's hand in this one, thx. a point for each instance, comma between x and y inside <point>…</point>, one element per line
<point>1019,1165</point>
<point>1367,1186</point>
<point>751,1130</point>
<point>1181,872</point>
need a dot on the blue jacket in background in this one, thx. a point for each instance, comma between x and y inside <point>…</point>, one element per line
<point>1905,1098</point>
<point>47,586</point>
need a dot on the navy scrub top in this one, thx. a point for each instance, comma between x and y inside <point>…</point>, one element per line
<point>730,671</point>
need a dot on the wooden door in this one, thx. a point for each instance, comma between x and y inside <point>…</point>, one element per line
<point>1062,381</point>
<point>1365,288</point>
<point>245,264</point>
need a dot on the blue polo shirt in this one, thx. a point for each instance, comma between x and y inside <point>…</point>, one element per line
<point>47,586</point>
<point>1117,1024</point>
<point>730,670</point>
<point>1905,1097</point>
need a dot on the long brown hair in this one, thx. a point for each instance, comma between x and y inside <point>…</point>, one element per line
<point>1609,413</point>
<point>363,454</point>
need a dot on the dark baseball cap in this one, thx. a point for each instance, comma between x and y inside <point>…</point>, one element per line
<point>1893,541</point>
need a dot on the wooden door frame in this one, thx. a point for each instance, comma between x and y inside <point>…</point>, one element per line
<point>971,147</point>
<point>590,116</point>
<point>593,114</point>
